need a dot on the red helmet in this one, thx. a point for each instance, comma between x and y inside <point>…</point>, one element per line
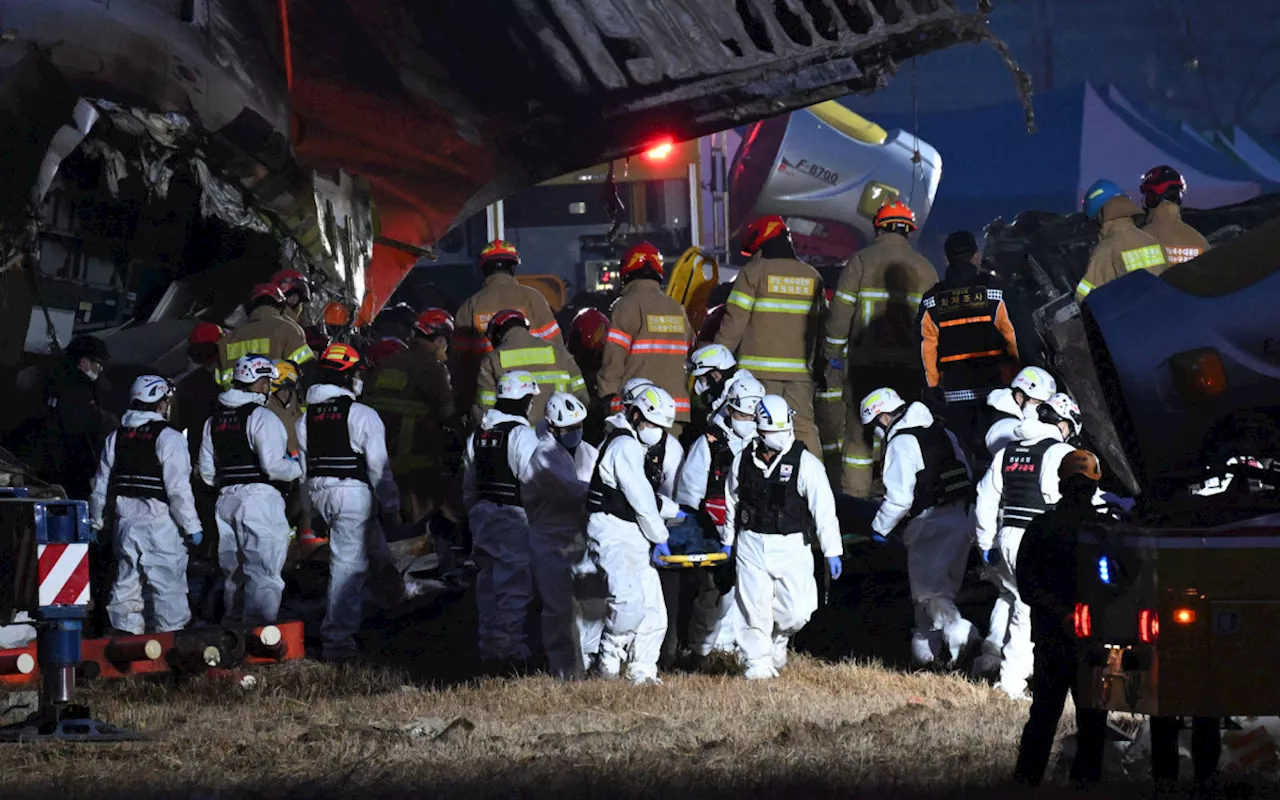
<point>340,358</point>
<point>641,256</point>
<point>1162,183</point>
<point>269,291</point>
<point>290,280</point>
<point>434,322</point>
<point>893,214</point>
<point>711,325</point>
<point>761,231</point>
<point>503,321</point>
<point>384,347</point>
<point>497,251</point>
<point>205,333</point>
<point>317,338</point>
<point>588,331</point>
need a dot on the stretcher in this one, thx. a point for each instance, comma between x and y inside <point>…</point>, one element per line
<point>694,560</point>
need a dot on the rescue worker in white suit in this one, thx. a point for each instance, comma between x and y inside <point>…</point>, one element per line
<point>554,499</point>
<point>928,490</point>
<point>627,518</point>
<point>244,449</point>
<point>700,491</point>
<point>1009,408</point>
<point>1012,406</point>
<point>776,497</point>
<point>498,453</point>
<point>715,372</point>
<point>344,454</point>
<point>1022,484</point>
<point>145,477</point>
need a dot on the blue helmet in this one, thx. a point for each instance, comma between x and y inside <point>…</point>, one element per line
<point>1098,195</point>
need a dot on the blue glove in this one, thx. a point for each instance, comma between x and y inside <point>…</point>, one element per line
<point>195,538</point>
<point>991,557</point>
<point>879,538</point>
<point>836,364</point>
<point>663,549</point>
<point>681,515</point>
<point>727,549</point>
<point>837,568</point>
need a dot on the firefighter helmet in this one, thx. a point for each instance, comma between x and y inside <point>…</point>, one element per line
<point>745,394</point>
<point>503,321</point>
<point>340,358</point>
<point>286,375</point>
<point>1162,183</point>
<point>499,252</point>
<point>290,280</point>
<point>881,401</point>
<point>150,389</point>
<point>564,410</point>
<point>266,291</point>
<point>1098,195</point>
<point>895,215</point>
<point>588,331</point>
<point>1061,408</point>
<point>434,322</point>
<point>252,368</point>
<point>205,333</point>
<point>640,257</point>
<point>1035,383</point>
<point>760,231</point>
<point>773,414</point>
<point>708,358</point>
<point>517,385</point>
<point>1080,462</point>
<point>631,389</point>
<point>656,406</point>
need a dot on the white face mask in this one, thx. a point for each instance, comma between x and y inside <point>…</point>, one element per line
<point>570,439</point>
<point>743,428</point>
<point>650,436</point>
<point>776,440</point>
<point>357,386</point>
<point>701,385</point>
<point>91,374</point>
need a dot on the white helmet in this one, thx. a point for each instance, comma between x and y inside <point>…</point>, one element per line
<point>250,369</point>
<point>632,388</point>
<point>656,406</point>
<point>745,394</point>
<point>773,414</point>
<point>150,389</point>
<point>1035,383</point>
<point>1061,408</point>
<point>564,410</point>
<point>709,357</point>
<point>882,401</point>
<point>517,385</point>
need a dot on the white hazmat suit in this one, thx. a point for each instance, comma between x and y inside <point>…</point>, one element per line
<point>776,589</point>
<point>151,556</point>
<point>937,541</point>
<point>1005,431</point>
<point>591,590</point>
<point>346,504</point>
<point>253,531</point>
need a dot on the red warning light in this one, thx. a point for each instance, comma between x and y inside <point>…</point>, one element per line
<point>660,152</point>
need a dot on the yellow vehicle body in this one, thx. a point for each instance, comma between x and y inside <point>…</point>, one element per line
<point>1189,623</point>
<point>549,286</point>
<point>691,282</point>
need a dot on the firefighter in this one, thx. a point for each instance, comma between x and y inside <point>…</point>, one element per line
<point>195,401</point>
<point>649,335</point>
<point>1012,406</point>
<point>498,262</point>
<point>587,336</point>
<point>872,318</point>
<point>245,450</point>
<point>515,347</point>
<point>267,333</point>
<point>412,392</point>
<point>1162,190</point>
<point>286,403</point>
<point>1122,247</point>
<point>626,519</point>
<point>1021,484</point>
<point>715,372</point>
<point>700,489</point>
<point>297,293</point>
<point>928,491</point>
<point>968,346</point>
<point>144,482</point>
<point>344,453</point>
<point>773,320</point>
<point>776,498</point>
<point>498,453</point>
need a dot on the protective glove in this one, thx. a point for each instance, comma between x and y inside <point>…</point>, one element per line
<point>663,549</point>
<point>836,568</point>
<point>991,557</point>
<point>727,549</point>
<point>716,509</point>
<point>879,538</point>
<point>195,538</point>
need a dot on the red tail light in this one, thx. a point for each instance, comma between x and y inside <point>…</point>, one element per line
<point>1084,621</point>
<point>1148,626</point>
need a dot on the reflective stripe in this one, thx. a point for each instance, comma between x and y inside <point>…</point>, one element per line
<point>742,300</point>
<point>859,463</point>
<point>559,379</point>
<point>223,377</point>
<point>1143,257</point>
<point>526,356</point>
<point>620,338</point>
<point>547,331</point>
<point>995,294</point>
<point>848,298</point>
<point>774,364</point>
<point>833,446</point>
<point>831,395</point>
<point>302,355</point>
<point>967,356</point>
<point>663,346</point>
<point>959,395</point>
<point>472,344</point>
<point>883,294</point>
<point>488,398</point>
<point>966,321</point>
<point>784,306</point>
<point>837,342</point>
<point>682,403</point>
<point>238,350</point>
<point>1084,288</point>
<point>577,383</point>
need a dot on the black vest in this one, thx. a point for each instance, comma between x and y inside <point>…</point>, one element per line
<point>943,479</point>
<point>969,343</point>
<point>655,459</point>
<point>772,504</point>
<point>605,499</point>
<point>136,470</point>
<point>495,481</point>
<point>329,451</point>
<point>721,463</point>
<point>233,456</point>
<point>1021,469</point>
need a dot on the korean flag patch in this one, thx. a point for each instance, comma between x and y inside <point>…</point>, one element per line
<point>784,472</point>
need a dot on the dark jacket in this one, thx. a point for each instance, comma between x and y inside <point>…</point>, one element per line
<point>63,440</point>
<point>1046,571</point>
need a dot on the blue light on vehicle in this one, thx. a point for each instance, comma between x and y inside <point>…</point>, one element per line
<point>1104,570</point>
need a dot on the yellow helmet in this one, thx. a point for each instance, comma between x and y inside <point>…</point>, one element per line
<point>287,376</point>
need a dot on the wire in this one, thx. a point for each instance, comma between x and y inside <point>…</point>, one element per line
<point>917,170</point>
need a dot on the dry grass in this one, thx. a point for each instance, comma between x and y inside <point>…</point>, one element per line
<point>307,730</point>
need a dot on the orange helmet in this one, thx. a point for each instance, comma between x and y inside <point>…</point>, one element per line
<point>498,251</point>
<point>711,325</point>
<point>641,256</point>
<point>336,314</point>
<point>893,214</point>
<point>205,333</point>
<point>588,331</point>
<point>268,291</point>
<point>434,322</point>
<point>290,280</point>
<point>340,358</point>
<point>761,231</point>
<point>503,321</point>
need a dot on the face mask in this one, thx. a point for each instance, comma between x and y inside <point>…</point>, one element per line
<point>91,374</point>
<point>650,436</point>
<point>357,386</point>
<point>776,440</point>
<point>701,385</point>
<point>570,439</point>
<point>744,428</point>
